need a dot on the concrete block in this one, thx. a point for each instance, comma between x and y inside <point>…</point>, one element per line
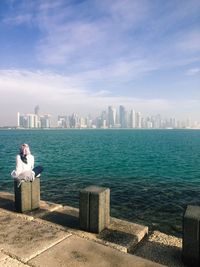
<point>22,196</point>
<point>94,212</point>
<point>27,195</point>
<point>191,236</point>
<point>35,194</point>
<point>84,210</point>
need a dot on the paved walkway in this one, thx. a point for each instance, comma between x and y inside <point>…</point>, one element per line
<point>51,237</point>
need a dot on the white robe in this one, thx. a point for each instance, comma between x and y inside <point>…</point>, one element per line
<point>24,171</point>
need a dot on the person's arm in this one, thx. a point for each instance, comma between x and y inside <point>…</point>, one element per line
<point>32,162</point>
<point>19,167</point>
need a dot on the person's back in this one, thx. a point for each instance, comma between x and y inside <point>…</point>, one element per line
<point>21,166</point>
<point>25,165</point>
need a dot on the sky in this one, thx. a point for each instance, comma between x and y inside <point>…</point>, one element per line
<point>82,56</point>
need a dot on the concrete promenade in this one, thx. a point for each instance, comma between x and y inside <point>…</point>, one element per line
<point>51,236</point>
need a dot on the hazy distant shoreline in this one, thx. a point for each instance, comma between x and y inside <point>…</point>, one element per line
<point>98,129</point>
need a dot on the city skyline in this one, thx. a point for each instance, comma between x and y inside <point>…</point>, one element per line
<point>87,55</point>
<point>111,118</point>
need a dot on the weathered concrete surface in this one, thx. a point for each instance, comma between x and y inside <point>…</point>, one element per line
<point>78,252</point>
<point>10,262</point>
<point>65,216</point>
<point>46,207</point>
<point>7,201</point>
<point>50,236</point>
<point>161,248</point>
<point>7,261</point>
<point>122,235</point>
<point>2,257</point>
<point>26,238</point>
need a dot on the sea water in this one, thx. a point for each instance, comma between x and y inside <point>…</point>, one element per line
<point>152,174</point>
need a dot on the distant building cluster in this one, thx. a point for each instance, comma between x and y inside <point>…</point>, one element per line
<point>33,120</point>
<point>122,118</point>
<point>112,118</point>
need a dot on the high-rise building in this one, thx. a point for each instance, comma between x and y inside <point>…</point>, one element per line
<point>132,119</point>
<point>37,109</point>
<point>62,121</point>
<point>22,120</point>
<point>122,117</point>
<point>74,121</point>
<point>104,119</point>
<point>18,119</point>
<point>111,117</point>
<point>138,120</point>
<point>32,120</point>
<point>45,121</point>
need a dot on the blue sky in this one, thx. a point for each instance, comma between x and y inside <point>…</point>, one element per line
<point>85,55</point>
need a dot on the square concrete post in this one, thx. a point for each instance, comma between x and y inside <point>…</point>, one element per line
<point>27,195</point>
<point>35,196</point>
<point>191,236</point>
<point>22,196</point>
<point>94,211</point>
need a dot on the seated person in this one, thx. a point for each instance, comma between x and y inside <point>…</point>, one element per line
<point>25,170</point>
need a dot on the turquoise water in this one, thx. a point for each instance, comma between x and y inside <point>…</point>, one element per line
<point>152,174</point>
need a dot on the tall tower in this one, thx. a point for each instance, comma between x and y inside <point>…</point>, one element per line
<point>32,120</point>
<point>122,117</point>
<point>37,109</point>
<point>111,117</point>
<point>18,119</point>
<point>132,119</point>
<point>138,120</point>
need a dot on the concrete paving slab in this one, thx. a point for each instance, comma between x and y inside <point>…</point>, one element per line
<point>10,262</point>
<point>26,238</point>
<point>3,256</point>
<point>78,252</point>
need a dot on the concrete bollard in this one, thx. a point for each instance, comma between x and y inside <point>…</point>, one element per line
<point>191,236</point>
<point>94,208</point>
<point>27,195</point>
<point>35,196</point>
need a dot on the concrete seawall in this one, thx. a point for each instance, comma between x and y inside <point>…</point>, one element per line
<point>50,236</point>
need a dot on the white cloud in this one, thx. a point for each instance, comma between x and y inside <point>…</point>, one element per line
<point>98,52</point>
<point>97,34</point>
<point>19,19</point>
<point>49,89</point>
<point>57,94</point>
<point>192,72</point>
<point>190,42</point>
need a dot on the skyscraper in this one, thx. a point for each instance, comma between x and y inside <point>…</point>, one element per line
<point>111,117</point>
<point>37,108</point>
<point>138,120</point>
<point>122,117</point>
<point>18,119</point>
<point>132,119</point>
<point>32,121</point>
<point>45,121</point>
